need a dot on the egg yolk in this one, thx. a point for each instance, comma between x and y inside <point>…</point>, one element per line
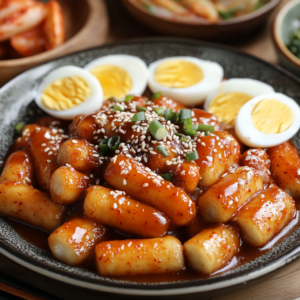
<point>226,106</point>
<point>65,93</point>
<point>115,81</point>
<point>272,116</point>
<point>178,74</point>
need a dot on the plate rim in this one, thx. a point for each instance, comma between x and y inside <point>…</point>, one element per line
<point>147,289</point>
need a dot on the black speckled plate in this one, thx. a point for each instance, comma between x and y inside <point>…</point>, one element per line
<point>16,103</point>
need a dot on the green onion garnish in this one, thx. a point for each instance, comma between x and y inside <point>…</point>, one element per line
<point>162,150</point>
<point>140,116</point>
<point>208,128</point>
<point>103,147</point>
<point>185,114</point>
<point>114,142</point>
<point>117,108</point>
<point>170,115</point>
<point>182,137</point>
<point>188,127</point>
<point>159,110</point>
<point>156,95</point>
<point>157,130</point>
<point>192,156</point>
<point>167,176</point>
<point>19,126</point>
<point>142,108</point>
<point>128,98</point>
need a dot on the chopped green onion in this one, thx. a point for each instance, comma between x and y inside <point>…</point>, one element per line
<point>128,98</point>
<point>192,156</point>
<point>156,95</point>
<point>103,147</point>
<point>229,14</point>
<point>157,130</point>
<point>117,108</point>
<point>140,116</point>
<point>142,108</point>
<point>19,126</point>
<point>208,128</point>
<point>114,142</point>
<point>167,176</point>
<point>188,127</point>
<point>161,149</point>
<point>180,134</point>
<point>259,4</point>
<point>185,114</point>
<point>170,115</point>
<point>159,110</point>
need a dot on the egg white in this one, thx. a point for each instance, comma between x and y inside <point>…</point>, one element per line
<point>133,65</point>
<point>195,94</point>
<point>90,105</point>
<point>248,86</point>
<point>249,135</point>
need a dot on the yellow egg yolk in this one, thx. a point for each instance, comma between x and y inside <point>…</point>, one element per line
<point>226,106</point>
<point>65,93</point>
<point>178,74</point>
<point>115,81</point>
<point>272,116</point>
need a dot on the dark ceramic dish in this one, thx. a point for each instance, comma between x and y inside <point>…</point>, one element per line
<point>16,103</point>
<point>222,31</point>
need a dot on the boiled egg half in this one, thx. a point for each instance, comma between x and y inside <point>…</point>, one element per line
<point>226,101</point>
<point>268,120</point>
<point>119,75</point>
<point>69,91</point>
<point>183,78</point>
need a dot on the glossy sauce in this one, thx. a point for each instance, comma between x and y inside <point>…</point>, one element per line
<point>248,253</point>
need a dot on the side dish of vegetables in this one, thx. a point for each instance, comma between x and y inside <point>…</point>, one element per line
<point>211,10</point>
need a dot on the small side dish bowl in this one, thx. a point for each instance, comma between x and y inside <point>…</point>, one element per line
<point>200,28</point>
<point>286,21</point>
<point>86,24</point>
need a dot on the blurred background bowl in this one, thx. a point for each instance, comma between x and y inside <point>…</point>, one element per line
<point>222,31</point>
<point>286,21</point>
<point>86,24</point>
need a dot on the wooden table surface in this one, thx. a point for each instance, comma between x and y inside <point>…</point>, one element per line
<point>282,284</point>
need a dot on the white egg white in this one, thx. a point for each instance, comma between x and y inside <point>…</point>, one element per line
<point>195,94</point>
<point>252,137</point>
<point>133,65</point>
<point>248,86</point>
<point>90,105</point>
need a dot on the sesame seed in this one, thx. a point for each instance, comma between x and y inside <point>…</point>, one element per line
<point>124,181</point>
<point>145,184</point>
<point>115,206</point>
<point>48,161</point>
